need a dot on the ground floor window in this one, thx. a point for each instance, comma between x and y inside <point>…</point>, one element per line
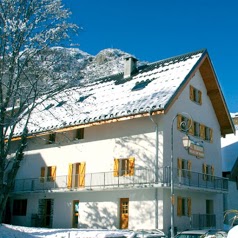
<point>19,207</point>
<point>184,206</point>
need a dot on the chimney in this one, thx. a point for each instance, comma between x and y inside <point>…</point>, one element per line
<point>129,66</point>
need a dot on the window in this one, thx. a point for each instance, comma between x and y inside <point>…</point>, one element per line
<point>184,206</point>
<point>19,207</point>
<point>184,167</point>
<point>49,173</point>
<point>52,138</point>
<point>183,123</point>
<point>124,167</point>
<point>195,95</point>
<point>76,175</point>
<point>196,128</point>
<point>208,134</point>
<point>208,172</point>
<point>79,134</point>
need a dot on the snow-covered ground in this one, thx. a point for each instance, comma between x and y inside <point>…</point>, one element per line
<point>9,231</point>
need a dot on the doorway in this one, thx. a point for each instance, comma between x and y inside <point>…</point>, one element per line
<point>75,214</point>
<point>124,213</point>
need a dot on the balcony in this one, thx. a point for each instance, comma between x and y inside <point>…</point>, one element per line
<point>107,180</point>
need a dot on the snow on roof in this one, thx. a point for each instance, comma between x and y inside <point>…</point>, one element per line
<point>113,97</point>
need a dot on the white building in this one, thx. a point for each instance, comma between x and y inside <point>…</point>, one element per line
<point>99,155</point>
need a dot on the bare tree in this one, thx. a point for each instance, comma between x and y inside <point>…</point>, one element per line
<point>28,30</point>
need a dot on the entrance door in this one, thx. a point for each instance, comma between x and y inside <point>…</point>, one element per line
<point>210,214</point>
<point>124,213</point>
<point>75,213</point>
<point>46,212</point>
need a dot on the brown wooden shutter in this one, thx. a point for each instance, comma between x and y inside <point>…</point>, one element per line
<point>204,171</point>
<point>53,173</point>
<point>82,174</point>
<point>213,172</point>
<point>116,168</point>
<point>69,179</point>
<point>179,165</point>
<point>131,166</point>
<point>211,135</point>
<point>179,121</point>
<point>191,94</point>
<point>202,131</point>
<point>191,127</point>
<point>189,201</point>
<point>42,174</point>
<point>179,206</point>
<point>189,168</point>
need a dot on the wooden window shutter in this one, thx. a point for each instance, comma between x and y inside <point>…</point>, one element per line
<point>53,173</point>
<point>82,174</point>
<point>179,166</point>
<point>189,201</point>
<point>202,131</point>
<point>189,168</point>
<point>69,179</point>
<point>179,121</point>
<point>179,206</point>
<point>212,172</point>
<point>131,166</point>
<point>204,171</point>
<point>42,174</point>
<point>191,94</point>
<point>211,135</point>
<point>191,127</point>
<point>116,167</point>
<point>199,97</point>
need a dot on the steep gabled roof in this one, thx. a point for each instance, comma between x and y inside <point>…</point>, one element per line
<point>151,89</point>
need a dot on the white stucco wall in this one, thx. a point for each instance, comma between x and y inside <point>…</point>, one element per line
<point>101,144</point>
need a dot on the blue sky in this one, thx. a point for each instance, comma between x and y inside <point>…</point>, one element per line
<point>152,30</point>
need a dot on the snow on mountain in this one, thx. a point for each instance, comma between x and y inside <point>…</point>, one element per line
<point>86,67</point>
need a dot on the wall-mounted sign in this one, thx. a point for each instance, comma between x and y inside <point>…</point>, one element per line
<point>196,150</point>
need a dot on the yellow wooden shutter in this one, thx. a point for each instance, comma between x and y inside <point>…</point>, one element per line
<point>42,174</point>
<point>189,201</point>
<point>53,173</point>
<point>179,121</point>
<point>131,166</point>
<point>189,168</point>
<point>82,174</point>
<point>116,168</point>
<point>212,171</point>
<point>199,97</point>
<point>179,165</point>
<point>191,127</point>
<point>204,171</point>
<point>179,206</point>
<point>191,94</point>
<point>211,135</point>
<point>202,131</point>
<point>69,179</point>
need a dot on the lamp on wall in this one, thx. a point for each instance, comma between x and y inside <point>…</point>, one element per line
<point>186,142</point>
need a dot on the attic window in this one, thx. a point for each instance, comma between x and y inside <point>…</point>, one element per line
<point>140,85</point>
<point>61,103</point>
<point>49,106</point>
<point>81,99</point>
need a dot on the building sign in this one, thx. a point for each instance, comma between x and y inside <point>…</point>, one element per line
<point>196,150</point>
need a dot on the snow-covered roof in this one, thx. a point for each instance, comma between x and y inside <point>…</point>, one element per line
<point>151,88</point>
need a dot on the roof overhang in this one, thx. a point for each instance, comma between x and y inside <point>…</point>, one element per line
<point>216,96</point>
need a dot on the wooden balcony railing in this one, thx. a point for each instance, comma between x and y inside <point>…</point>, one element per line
<point>104,180</point>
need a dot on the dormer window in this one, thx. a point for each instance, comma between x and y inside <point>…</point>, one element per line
<point>195,95</point>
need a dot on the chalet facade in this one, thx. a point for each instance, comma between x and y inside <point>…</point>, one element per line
<point>100,155</point>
